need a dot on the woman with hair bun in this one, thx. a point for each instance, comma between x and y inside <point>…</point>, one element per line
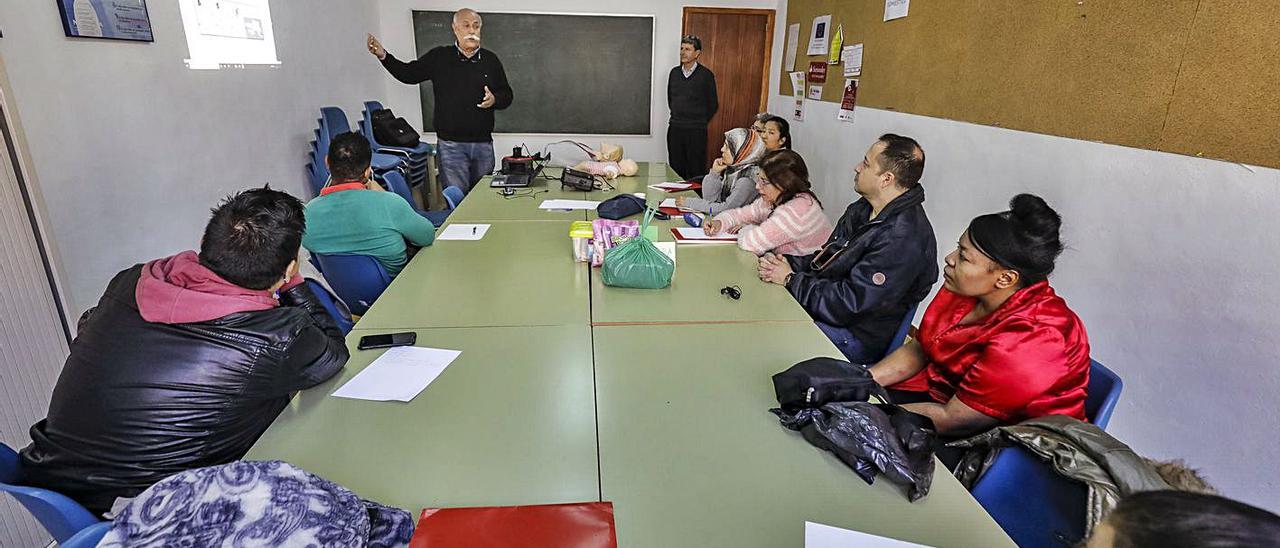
<point>996,345</point>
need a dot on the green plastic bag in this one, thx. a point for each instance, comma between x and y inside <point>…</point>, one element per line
<point>637,263</point>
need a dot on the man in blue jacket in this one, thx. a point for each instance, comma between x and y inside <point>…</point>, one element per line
<point>881,260</point>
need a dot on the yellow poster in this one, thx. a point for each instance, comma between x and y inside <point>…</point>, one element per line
<point>833,55</point>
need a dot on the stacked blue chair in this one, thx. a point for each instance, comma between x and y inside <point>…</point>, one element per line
<point>357,279</point>
<point>60,516</point>
<point>453,196</point>
<point>1029,499</point>
<point>333,122</point>
<point>417,158</point>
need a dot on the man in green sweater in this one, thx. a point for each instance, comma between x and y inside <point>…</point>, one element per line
<point>353,215</point>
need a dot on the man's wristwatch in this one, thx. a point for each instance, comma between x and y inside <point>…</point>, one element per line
<point>786,282</point>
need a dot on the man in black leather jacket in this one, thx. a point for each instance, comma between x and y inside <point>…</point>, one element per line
<point>186,360</point>
<point>881,260</point>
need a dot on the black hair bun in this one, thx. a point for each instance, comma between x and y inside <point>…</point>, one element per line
<point>1034,217</point>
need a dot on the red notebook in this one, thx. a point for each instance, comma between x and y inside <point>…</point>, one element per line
<point>576,525</point>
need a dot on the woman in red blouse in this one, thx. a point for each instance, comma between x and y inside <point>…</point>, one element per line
<point>996,345</point>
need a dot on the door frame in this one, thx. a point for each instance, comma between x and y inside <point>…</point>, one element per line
<point>768,43</point>
<point>33,201</point>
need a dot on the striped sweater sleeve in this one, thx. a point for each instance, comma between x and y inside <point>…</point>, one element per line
<point>750,214</point>
<point>794,227</point>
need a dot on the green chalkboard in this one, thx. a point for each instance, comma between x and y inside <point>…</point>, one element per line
<point>588,74</point>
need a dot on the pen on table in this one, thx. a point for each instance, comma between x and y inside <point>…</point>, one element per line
<point>473,231</point>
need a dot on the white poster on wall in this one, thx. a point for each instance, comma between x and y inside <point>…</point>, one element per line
<point>848,101</point>
<point>798,113</point>
<point>815,93</point>
<point>820,35</point>
<point>793,44</point>
<point>797,84</point>
<point>896,9</point>
<point>852,57</point>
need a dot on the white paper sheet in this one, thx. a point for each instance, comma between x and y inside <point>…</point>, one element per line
<point>819,35</point>
<point>896,9</point>
<point>399,374</point>
<point>797,84</point>
<point>815,93</point>
<point>668,249</point>
<point>463,232</point>
<point>793,44</point>
<point>696,235</point>
<point>852,58</point>
<point>797,113</point>
<point>671,202</point>
<point>671,187</point>
<point>817,535</point>
<point>568,204</point>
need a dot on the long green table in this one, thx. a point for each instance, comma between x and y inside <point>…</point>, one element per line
<point>511,421</point>
<point>521,273</point>
<point>690,455</point>
<point>570,391</point>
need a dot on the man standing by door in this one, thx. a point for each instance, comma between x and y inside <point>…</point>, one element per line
<point>469,84</point>
<point>691,96</point>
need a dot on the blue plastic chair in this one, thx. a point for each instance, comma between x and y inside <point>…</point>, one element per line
<point>453,196</point>
<point>904,328</point>
<point>331,306</point>
<point>357,279</point>
<point>1029,499</point>
<point>1102,395</point>
<point>60,516</point>
<point>88,537</point>
<point>395,183</point>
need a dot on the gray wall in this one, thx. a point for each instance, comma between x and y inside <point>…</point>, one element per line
<point>131,148</point>
<point>1171,263</point>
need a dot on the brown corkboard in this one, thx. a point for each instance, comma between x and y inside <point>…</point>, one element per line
<point>1195,77</point>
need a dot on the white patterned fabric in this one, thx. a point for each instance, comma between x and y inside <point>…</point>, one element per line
<point>255,503</point>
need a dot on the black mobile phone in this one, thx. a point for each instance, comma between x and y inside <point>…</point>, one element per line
<point>387,340</point>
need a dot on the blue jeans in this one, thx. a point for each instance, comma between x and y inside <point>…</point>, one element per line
<point>849,345</point>
<point>463,164</point>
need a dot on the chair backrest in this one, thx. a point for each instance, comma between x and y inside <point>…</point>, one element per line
<point>1032,503</point>
<point>60,516</point>
<point>1103,394</point>
<point>333,122</point>
<point>453,196</point>
<point>395,183</point>
<point>357,279</point>
<point>367,126</point>
<point>900,336</point>
<point>88,537</point>
<point>330,305</point>
<point>1028,498</point>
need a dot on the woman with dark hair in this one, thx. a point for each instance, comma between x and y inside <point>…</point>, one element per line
<point>786,218</point>
<point>732,180</point>
<point>1178,519</point>
<point>775,131</point>
<point>996,345</point>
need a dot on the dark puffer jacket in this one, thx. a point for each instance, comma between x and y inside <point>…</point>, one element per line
<point>139,401</point>
<point>888,265</point>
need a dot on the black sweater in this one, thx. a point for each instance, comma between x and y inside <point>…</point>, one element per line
<point>459,85</point>
<point>692,100</point>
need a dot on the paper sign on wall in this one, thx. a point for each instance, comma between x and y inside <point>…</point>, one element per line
<point>793,42</point>
<point>820,35</point>
<point>852,57</point>
<point>815,93</point>
<point>895,9</point>
<point>837,41</point>
<point>849,101</point>
<point>818,72</point>
<point>797,84</point>
<point>798,113</point>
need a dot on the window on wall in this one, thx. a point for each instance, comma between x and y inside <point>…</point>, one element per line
<point>228,33</point>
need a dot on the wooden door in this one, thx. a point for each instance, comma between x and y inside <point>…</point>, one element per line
<point>737,45</point>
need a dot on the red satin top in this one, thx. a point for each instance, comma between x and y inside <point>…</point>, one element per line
<point>1028,359</point>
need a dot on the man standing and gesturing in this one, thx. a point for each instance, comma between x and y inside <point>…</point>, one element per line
<point>469,84</point>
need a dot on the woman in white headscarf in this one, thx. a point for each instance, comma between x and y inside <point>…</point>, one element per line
<point>732,180</point>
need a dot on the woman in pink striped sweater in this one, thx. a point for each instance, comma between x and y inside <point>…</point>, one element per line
<point>787,218</point>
